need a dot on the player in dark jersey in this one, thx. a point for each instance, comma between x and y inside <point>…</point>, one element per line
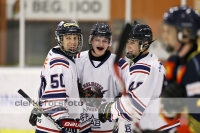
<point>183,23</point>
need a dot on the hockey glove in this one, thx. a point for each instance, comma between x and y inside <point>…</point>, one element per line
<point>93,96</point>
<point>33,117</point>
<point>104,112</point>
<point>69,125</point>
<point>172,99</point>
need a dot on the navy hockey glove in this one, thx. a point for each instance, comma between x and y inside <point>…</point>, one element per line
<point>69,125</point>
<point>172,98</point>
<point>93,96</point>
<point>104,112</point>
<point>33,117</point>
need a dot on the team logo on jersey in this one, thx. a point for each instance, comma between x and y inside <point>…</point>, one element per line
<point>128,128</point>
<point>84,116</point>
<point>93,90</point>
<point>90,84</point>
<point>95,122</point>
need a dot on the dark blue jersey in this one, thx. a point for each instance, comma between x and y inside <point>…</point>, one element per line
<point>190,80</point>
<point>171,67</point>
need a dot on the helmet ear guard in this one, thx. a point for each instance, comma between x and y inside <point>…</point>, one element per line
<point>57,38</point>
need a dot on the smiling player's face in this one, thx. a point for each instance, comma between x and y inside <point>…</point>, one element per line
<point>70,42</point>
<point>100,45</point>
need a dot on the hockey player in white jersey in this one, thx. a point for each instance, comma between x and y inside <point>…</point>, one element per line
<point>144,85</point>
<point>95,69</point>
<point>58,93</point>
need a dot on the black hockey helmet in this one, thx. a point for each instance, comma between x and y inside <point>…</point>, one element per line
<point>68,27</point>
<point>183,17</point>
<point>101,29</point>
<point>142,33</point>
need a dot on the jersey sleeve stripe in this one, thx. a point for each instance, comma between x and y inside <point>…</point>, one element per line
<point>55,91</point>
<point>101,131</point>
<point>59,113</point>
<point>136,104</point>
<point>56,110</point>
<point>122,113</point>
<point>55,95</point>
<point>85,128</point>
<point>52,107</point>
<point>45,101</point>
<point>46,129</point>
<point>169,126</point>
<point>117,109</point>
<point>144,106</point>
<point>48,108</point>
<point>124,108</point>
<point>118,112</point>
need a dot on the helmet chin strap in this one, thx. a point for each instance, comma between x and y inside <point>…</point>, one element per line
<point>140,53</point>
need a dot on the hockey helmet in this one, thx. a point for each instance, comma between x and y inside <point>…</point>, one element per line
<point>100,29</point>
<point>142,33</point>
<point>70,28</point>
<point>183,17</point>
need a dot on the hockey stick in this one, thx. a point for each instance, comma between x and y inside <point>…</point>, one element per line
<point>21,92</point>
<point>121,46</point>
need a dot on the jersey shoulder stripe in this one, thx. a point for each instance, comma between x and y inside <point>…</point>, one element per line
<point>122,63</point>
<point>140,68</point>
<point>58,61</point>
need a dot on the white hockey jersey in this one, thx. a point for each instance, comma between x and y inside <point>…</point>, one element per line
<point>142,99</point>
<point>58,93</point>
<point>100,74</point>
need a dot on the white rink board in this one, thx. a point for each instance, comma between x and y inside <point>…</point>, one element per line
<point>13,113</point>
